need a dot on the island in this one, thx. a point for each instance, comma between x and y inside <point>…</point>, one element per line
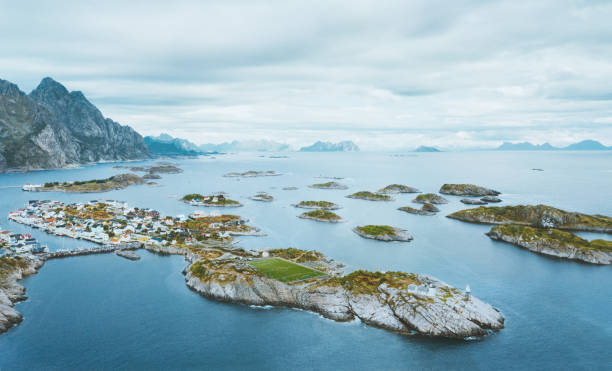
<point>538,216</point>
<point>370,196</point>
<point>467,190</point>
<point>491,199</point>
<point>427,149</point>
<point>405,303</point>
<point>196,199</point>
<point>426,209</point>
<point>471,201</point>
<point>322,216</point>
<point>252,174</point>
<point>430,198</point>
<point>89,186</point>
<point>290,188</point>
<point>262,196</point>
<point>329,185</point>
<point>319,205</point>
<point>397,188</point>
<point>383,233</point>
<point>157,168</point>
<point>554,242</point>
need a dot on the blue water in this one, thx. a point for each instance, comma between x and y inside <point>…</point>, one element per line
<point>106,312</point>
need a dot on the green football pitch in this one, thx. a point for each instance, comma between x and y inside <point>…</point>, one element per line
<point>283,270</point>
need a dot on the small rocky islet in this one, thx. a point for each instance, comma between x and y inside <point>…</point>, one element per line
<point>426,209</point>
<point>252,174</point>
<point>397,188</point>
<point>467,190</point>
<point>219,200</point>
<point>318,205</point>
<point>384,233</point>
<point>370,196</point>
<point>430,198</point>
<point>329,185</point>
<point>262,196</point>
<point>321,216</point>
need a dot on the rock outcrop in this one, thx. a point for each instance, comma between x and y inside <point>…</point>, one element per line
<point>383,233</point>
<point>400,302</point>
<point>54,128</point>
<point>539,216</point>
<point>370,196</point>
<point>398,188</point>
<point>329,185</point>
<point>554,242</point>
<point>426,209</point>
<point>11,271</point>
<point>344,146</point>
<point>467,190</point>
<point>430,198</point>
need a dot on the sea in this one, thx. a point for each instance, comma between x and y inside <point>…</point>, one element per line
<point>106,312</point>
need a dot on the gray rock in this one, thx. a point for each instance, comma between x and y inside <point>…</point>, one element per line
<point>491,199</point>
<point>471,201</point>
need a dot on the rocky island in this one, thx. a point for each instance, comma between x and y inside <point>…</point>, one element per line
<point>406,303</point>
<point>554,242</point>
<point>197,199</point>
<point>426,209</point>
<point>89,186</point>
<point>539,216</point>
<point>319,205</point>
<point>322,216</point>
<point>397,188</point>
<point>370,196</point>
<point>262,196</point>
<point>430,198</point>
<point>329,185</point>
<point>471,201</point>
<point>252,174</point>
<point>383,233</point>
<point>467,190</point>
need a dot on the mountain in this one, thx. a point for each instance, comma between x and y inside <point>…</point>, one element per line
<point>344,146</point>
<point>245,146</point>
<point>53,128</point>
<point>165,145</point>
<point>427,149</point>
<point>585,145</point>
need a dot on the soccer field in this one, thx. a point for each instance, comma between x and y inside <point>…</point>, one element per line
<point>284,270</point>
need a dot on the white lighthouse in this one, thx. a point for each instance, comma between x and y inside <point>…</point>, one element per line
<point>468,292</point>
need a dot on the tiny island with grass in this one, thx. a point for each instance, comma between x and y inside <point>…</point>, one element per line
<point>467,190</point>
<point>115,182</point>
<point>319,205</point>
<point>252,174</point>
<point>383,233</point>
<point>329,185</point>
<point>426,209</point>
<point>322,216</point>
<point>197,199</point>
<point>263,197</point>
<point>370,196</point>
<point>430,198</point>
<point>398,188</point>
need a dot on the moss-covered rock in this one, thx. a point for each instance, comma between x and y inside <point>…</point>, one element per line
<point>319,205</point>
<point>554,242</point>
<point>329,185</point>
<point>383,233</point>
<point>398,188</point>
<point>426,209</point>
<point>467,190</point>
<point>430,198</point>
<point>321,216</point>
<point>540,216</point>
<point>370,196</point>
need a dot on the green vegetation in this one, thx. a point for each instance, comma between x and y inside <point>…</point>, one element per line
<point>192,196</point>
<point>329,185</point>
<point>365,282</point>
<point>96,185</point>
<point>218,200</point>
<point>8,265</point>
<point>366,195</point>
<point>431,198</point>
<point>397,188</point>
<point>467,190</point>
<point>297,255</point>
<point>321,214</point>
<point>283,270</point>
<point>551,236</point>
<point>376,230</point>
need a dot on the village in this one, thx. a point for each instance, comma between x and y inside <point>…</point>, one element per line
<point>114,223</point>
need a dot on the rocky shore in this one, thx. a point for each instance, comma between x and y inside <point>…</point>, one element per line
<point>383,233</point>
<point>401,302</point>
<point>430,198</point>
<point>467,190</point>
<point>370,196</point>
<point>321,216</point>
<point>252,174</point>
<point>115,182</point>
<point>554,242</point>
<point>398,188</point>
<point>317,205</point>
<point>329,185</point>
<point>426,209</point>
<point>11,271</point>
<point>539,216</point>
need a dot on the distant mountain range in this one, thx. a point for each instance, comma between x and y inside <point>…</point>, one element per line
<point>54,128</point>
<point>585,145</point>
<point>245,146</point>
<point>165,145</point>
<point>344,146</point>
<point>427,149</point>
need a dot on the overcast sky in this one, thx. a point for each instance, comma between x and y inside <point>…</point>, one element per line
<point>453,74</point>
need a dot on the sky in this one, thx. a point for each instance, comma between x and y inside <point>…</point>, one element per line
<point>385,74</point>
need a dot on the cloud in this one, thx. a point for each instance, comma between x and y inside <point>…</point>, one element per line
<point>391,74</point>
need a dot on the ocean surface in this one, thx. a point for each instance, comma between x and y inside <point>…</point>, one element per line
<point>105,312</point>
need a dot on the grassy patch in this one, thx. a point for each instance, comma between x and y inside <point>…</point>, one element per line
<point>296,255</point>
<point>283,270</point>
<point>553,236</point>
<point>365,282</point>
<point>322,214</point>
<point>321,204</point>
<point>370,195</point>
